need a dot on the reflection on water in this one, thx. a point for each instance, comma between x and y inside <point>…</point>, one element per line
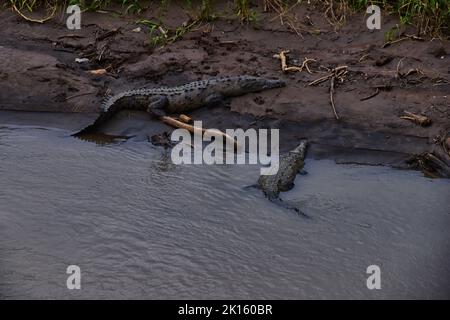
<point>141,227</point>
<point>102,138</point>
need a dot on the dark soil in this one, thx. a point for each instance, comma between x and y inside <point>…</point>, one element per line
<point>38,73</point>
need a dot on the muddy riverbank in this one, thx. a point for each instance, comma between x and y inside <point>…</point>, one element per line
<point>38,73</point>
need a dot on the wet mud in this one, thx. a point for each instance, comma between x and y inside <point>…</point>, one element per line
<point>39,73</point>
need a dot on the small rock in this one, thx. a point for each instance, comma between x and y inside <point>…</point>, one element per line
<point>138,29</point>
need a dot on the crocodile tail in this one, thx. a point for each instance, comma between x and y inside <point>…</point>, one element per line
<point>287,206</point>
<point>90,128</point>
<point>108,108</point>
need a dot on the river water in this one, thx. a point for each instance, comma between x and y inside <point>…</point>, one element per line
<point>141,227</point>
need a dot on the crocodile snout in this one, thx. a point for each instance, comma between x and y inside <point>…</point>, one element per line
<point>274,83</point>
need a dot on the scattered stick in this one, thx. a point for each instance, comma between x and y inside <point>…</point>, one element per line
<point>107,34</point>
<point>34,20</point>
<point>417,119</point>
<point>336,73</point>
<point>413,37</point>
<point>363,57</point>
<point>331,97</point>
<point>320,80</point>
<point>371,95</point>
<point>399,75</point>
<point>71,36</point>
<point>305,64</point>
<point>79,95</point>
<point>413,70</point>
<point>286,68</point>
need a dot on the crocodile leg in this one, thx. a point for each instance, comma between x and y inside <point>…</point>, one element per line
<point>157,105</point>
<point>214,100</point>
<point>287,206</point>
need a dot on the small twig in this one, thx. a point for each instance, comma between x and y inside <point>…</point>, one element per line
<point>71,36</point>
<point>79,95</point>
<point>286,68</point>
<point>401,39</point>
<point>331,97</point>
<point>416,118</point>
<point>305,64</point>
<point>363,57</point>
<point>320,80</point>
<point>107,34</point>
<point>338,72</point>
<point>399,75</point>
<point>413,70</point>
<point>371,95</point>
<point>34,20</point>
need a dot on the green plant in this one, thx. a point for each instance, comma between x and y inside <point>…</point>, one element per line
<point>157,35</point>
<point>392,34</point>
<point>160,36</point>
<point>132,6</point>
<point>430,16</point>
<point>206,11</point>
<point>243,11</point>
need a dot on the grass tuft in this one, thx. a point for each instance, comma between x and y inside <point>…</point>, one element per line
<point>432,17</point>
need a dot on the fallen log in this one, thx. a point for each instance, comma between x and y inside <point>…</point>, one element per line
<point>431,165</point>
<point>196,130</point>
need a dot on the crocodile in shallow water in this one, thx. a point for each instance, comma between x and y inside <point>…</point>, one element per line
<point>289,166</point>
<point>159,101</point>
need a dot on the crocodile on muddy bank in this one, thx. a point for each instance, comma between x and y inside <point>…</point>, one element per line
<point>159,101</point>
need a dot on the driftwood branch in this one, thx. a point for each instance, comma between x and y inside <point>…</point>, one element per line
<point>286,68</point>
<point>196,130</point>
<point>377,91</point>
